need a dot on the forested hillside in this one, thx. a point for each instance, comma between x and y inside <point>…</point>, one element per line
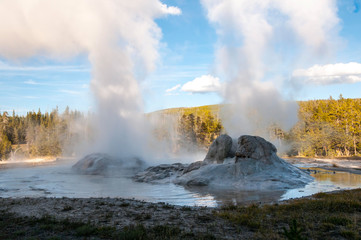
<point>187,129</point>
<point>325,128</point>
<point>40,134</point>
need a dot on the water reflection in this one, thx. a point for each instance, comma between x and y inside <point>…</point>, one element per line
<point>325,181</point>
<point>342,179</point>
<point>236,197</point>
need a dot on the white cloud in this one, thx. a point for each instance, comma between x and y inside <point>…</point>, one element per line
<point>203,84</point>
<point>173,88</point>
<point>170,10</point>
<point>329,74</point>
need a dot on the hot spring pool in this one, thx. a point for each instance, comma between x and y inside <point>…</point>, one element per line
<point>59,180</point>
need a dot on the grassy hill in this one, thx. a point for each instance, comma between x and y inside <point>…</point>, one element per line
<point>187,129</point>
<point>325,127</point>
<point>196,111</point>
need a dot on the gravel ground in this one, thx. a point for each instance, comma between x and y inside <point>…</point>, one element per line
<point>120,213</point>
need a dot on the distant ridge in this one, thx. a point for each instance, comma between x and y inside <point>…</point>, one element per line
<point>187,110</point>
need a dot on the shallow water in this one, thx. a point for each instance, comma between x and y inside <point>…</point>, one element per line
<point>325,181</point>
<point>60,181</point>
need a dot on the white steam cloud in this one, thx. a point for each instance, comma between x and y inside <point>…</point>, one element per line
<point>120,39</point>
<point>338,73</point>
<point>251,34</point>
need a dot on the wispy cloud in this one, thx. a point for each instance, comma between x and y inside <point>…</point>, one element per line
<point>171,91</point>
<point>31,97</point>
<point>173,88</point>
<point>31,82</point>
<point>356,6</point>
<point>60,68</point>
<point>62,84</point>
<point>71,92</point>
<point>203,84</point>
<point>339,73</point>
<point>172,94</point>
<point>17,110</point>
<point>174,73</point>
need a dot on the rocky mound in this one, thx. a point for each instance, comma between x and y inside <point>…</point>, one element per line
<point>166,173</point>
<point>252,165</point>
<point>221,148</point>
<point>104,164</point>
<point>161,173</point>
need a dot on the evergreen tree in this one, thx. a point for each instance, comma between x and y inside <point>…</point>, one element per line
<point>5,147</point>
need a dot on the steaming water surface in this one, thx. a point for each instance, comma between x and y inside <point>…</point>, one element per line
<point>60,181</point>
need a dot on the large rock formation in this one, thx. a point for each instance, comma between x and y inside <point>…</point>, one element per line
<point>103,164</point>
<point>256,166</point>
<point>220,149</point>
<point>252,165</point>
<point>256,148</point>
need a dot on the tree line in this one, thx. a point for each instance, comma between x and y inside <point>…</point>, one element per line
<point>39,134</point>
<point>325,128</point>
<point>330,128</point>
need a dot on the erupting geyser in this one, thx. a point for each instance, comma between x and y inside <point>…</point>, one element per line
<point>253,37</point>
<point>120,39</point>
<point>252,165</point>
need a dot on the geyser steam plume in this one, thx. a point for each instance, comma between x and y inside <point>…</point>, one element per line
<point>120,39</point>
<point>259,41</point>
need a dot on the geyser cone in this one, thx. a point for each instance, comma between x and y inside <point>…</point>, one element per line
<point>252,165</point>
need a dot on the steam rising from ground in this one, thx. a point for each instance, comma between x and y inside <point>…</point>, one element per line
<point>249,33</point>
<point>121,41</point>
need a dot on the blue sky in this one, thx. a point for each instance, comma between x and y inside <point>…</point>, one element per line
<point>187,52</point>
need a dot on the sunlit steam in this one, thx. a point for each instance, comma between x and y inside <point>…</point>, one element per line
<point>252,37</point>
<point>121,41</point>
